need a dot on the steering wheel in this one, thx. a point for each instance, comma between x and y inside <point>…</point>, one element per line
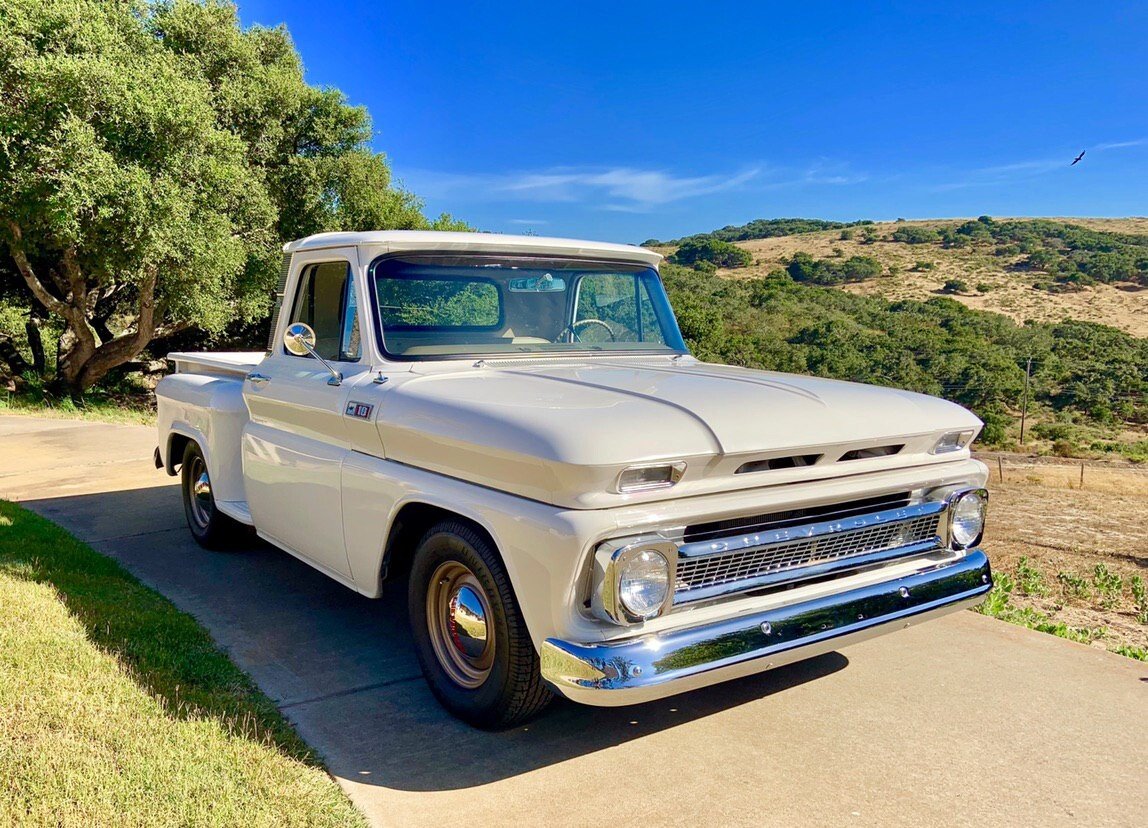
<point>573,328</point>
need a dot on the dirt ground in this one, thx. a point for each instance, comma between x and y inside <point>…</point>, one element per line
<point>1041,513</point>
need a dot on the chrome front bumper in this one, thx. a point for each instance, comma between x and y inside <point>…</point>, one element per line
<point>654,666</point>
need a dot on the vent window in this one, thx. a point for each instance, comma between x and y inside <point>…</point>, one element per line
<point>867,453</point>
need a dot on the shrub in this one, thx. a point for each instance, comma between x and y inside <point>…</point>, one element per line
<point>1108,585</point>
<point>915,235</point>
<point>708,249</point>
<point>923,265</point>
<point>955,286</point>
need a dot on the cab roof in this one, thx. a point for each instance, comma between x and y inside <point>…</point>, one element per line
<point>430,241</point>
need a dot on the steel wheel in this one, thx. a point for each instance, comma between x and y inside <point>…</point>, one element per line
<point>201,503</point>
<point>459,621</point>
<point>211,528</point>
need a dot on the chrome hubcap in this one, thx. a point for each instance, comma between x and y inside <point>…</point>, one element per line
<point>458,619</point>
<point>201,502</point>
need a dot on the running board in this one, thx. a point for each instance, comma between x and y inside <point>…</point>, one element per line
<point>236,510</point>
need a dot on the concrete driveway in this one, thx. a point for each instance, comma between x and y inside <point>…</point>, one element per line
<point>962,720</point>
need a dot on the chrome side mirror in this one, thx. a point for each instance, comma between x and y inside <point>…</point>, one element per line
<point>299,340</point>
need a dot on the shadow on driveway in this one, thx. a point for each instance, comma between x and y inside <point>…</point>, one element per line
<point>341,666</point>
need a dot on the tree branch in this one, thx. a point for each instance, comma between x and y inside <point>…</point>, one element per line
<point>30,278</point>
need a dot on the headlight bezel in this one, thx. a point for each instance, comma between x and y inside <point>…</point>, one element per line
<point>952,501</point>
<point>611,562</point>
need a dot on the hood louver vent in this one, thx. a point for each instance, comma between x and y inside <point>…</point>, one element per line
<point>868,453</point>
<point>778,463</point>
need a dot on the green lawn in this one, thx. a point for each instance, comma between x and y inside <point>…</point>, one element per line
<point>118,709</point>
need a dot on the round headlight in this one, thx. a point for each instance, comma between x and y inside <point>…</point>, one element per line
<point>644,583</point>
<point>967,519</point>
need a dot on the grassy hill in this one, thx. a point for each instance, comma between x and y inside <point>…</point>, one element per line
<point>954,308</point>
<point>996,276</point>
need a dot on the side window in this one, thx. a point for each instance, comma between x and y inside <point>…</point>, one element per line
<point>325,300</point>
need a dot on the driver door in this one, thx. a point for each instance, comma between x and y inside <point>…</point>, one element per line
<point>297,440</point>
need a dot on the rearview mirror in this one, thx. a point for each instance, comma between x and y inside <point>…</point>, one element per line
<point>538,284</point>
<point>299,339</point>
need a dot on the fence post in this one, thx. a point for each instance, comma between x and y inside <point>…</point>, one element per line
<point>1000,467</point>
<point>1082,475</point>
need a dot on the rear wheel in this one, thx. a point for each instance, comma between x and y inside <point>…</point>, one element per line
<point>469,634</point>
<point>210,527</point>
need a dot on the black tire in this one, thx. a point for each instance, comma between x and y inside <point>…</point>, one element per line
<point>505,682</point>
<point>210,527</point>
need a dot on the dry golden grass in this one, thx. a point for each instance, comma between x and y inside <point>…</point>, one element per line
<point>1010,293</point>
<point>1063,533</point>
<point>1074,475</point>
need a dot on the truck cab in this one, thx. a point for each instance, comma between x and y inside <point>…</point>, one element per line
<point>513,431</point>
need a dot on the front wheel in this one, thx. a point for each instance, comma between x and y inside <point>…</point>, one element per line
<point>468,631</point>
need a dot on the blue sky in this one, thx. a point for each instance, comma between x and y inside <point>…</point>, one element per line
<point>625,121</point>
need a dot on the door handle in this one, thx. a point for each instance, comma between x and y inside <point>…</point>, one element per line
<point>257,378</point>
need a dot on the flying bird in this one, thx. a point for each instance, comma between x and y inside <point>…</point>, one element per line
<point>1076,160</point>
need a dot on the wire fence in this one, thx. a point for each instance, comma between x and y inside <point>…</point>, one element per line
<point>1071,473</point>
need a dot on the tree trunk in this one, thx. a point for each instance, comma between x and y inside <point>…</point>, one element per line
<point>12,358</point>
<point>35,340</point>
<point>83,361</point>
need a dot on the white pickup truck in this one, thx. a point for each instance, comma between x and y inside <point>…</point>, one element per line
<point>512,430</point>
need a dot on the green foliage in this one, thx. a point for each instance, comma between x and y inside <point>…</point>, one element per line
<point>1108,585</point>
<point>767,229</point>
<point>955,286</point>
<point>153,157</point>
<point>1073,586</point>
<point>1029,579</point>
<point>1140,599</point>
<point>998,604</point>
<point>915,235</point>
<point>921,266</point>
<point>713,251</point>
<point>804,268</point>
<point>1073,257</point>
<point>1127,650</point>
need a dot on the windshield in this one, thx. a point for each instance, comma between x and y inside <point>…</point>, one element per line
<point>441,306</point>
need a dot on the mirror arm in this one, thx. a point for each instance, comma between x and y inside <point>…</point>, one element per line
<point>336,376</point>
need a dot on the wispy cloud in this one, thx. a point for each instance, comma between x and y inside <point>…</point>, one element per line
<point>528,221</point>
<point>1001,173</point>
<point>1139,142</point>
<point>627,187</point>
<point>617,189</point>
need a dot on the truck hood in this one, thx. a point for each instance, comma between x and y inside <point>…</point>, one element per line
<point>562,431</point>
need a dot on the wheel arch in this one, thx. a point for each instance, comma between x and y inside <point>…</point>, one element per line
<point>411,521</point>
<point>177,441</point>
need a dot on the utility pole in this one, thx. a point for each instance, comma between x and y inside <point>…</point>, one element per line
<point>1024,404</point>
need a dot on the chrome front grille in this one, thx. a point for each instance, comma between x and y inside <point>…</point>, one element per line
<point>736,564</point>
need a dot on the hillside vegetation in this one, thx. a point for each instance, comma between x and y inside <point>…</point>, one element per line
<point>1041,270</point>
